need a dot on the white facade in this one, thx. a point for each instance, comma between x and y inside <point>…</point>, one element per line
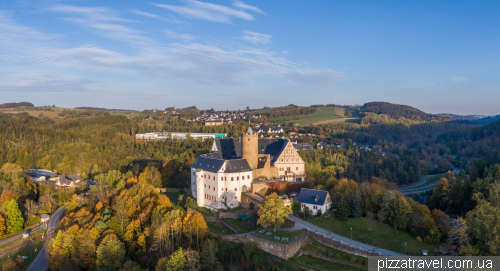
<point>183,136</point>
<point>290,164</point>
<point>212,189</point>
<point>315,208</point>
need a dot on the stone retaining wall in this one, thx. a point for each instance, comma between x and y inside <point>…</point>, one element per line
<point>283,251</point>
<point>341,246</point>
<point>236,215</point>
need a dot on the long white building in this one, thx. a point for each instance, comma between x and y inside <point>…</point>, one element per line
<point>183,136</point>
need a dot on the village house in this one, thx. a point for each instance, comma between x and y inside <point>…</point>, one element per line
<point>66,181</point>
<point>315,200</point>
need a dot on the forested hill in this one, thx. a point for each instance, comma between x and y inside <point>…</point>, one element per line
<point>489,119</point>
<point>396,110</point>
<point>14,105</point>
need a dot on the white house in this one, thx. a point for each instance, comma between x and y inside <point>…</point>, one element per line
<point>314,200</point>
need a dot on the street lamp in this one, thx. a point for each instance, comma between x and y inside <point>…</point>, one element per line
<point>405,248</point>
<point>351,233</point>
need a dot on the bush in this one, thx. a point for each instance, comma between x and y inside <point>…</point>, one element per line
<point>353,259</point>
<point>250,222</point>
<point>319,213</point>
<point>337,256</point>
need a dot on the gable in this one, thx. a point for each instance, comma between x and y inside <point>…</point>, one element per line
<point>289,153</point>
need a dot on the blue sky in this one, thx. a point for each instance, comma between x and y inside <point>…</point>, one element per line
<point>438,56</point>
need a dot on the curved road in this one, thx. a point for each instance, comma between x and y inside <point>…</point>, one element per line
<point>40,263</point>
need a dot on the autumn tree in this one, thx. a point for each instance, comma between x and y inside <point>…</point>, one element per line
<point>273,211</point>
<point>177,261</point>
<point>111,254</point>
<point>15,219</point>
<point>192,260</point>
<point>208,255</point>
<point>2,226</point>
<point>357,210</point>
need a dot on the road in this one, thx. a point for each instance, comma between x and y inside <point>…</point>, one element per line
<point>418,188</point>
<point>15,237</point>
<point>302,224</point>
<point>40,263</point>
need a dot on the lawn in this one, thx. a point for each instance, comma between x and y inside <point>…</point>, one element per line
<point>178,200</point>
<point>334,253</point>
<point>309,261</point>
<point>18,232</point>
<point>287,234</point>
<point>237,224</point>
<point>26,251</point>
<point>218,228</point>
<point>323,114</point>
<point>374,233</point>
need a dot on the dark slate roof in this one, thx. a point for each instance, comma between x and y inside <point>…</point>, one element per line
<point>309,196</point>
<point>272,146</point>
<point>228,148</point>
<point>208,164</point>
<point>73,177</point>
<point>237,165</point>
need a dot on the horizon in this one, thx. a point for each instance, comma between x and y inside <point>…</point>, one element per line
<point>439,57</point>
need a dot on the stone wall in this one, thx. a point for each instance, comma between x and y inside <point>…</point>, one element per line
<point>316,255</point>
<point>289,223</point>
<point>236,215</point>
<point>284,251</point>
<point>341,246</point>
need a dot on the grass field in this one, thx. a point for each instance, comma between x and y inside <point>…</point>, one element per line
<point>26,251</point>
<point>322,115</point>
<point>237,224</point>
<point>218,229</point>
<point>318,264</point>
<point>178,202</point>
<point>334,253</point>
<point>374,233</point>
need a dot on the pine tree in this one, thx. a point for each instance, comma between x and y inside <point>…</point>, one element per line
<point>357,211</point>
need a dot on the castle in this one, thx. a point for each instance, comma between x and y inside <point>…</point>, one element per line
<point>219,178</point>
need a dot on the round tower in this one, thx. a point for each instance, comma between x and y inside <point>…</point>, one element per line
<point>250,147</point>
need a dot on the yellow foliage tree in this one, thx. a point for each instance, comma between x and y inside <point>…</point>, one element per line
<point>273,211</point>
<point>199,226</point>
<point>2,225</point>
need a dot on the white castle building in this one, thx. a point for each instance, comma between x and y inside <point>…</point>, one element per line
<point>218,178</point>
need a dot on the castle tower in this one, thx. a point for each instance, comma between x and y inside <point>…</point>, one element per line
<point>250,147</point>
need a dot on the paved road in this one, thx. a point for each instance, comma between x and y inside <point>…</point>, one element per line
<point>302,224</point>
<point>15,237</point>
<point>40,263</point>
<point>418,188</point>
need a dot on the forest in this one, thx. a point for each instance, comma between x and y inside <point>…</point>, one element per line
<point>14,105</point>
<point>360,175</point>
<point>397,110</point>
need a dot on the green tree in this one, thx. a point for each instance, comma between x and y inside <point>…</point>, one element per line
<point>177,261</point>
<point>208,255</point>
<point>296,207</point>
<point>192,260</point>
<point>111,254</point>
<point>15,219</point>
<point>357,211</point>
<point>273,211</point>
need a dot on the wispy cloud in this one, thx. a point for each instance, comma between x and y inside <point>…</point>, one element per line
<point>242,5</point>
<point>104,21</point>
<point>47,84</point>
<point>459,79</point>
<point>208,11</point>
<point>256,38</point>
<point>174,35</point>
<point>13,34</point>
<point>147,14</point>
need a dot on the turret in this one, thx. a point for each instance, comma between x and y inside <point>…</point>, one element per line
<point>250,147</point>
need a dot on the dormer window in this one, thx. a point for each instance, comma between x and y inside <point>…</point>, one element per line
<point>316,199</point>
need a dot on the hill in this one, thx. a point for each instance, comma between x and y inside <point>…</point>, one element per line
<point>14,105</point>
<point>396,111</point>
<point>321,115</point>
<point>487,120</point>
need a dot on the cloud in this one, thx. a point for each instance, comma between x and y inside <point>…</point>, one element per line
<point>256,38</point>
<point>14,35</point>
<point>459,79</point>
<point>174,35</point>
<point>47,84</point>
<point>242,5</point>
<point>318,77</point>
<point>208,11</point>
<point>147,14</point>
<point>103,22</point>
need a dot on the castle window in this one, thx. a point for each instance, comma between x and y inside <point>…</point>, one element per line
<point>225,179</point>
<point>242,177</point>
<point>232,178</point>
<point>237,178</point>
<point>281,160</point>
<point>297,168</point>
<point>209,177</point>
<point>248,177</point>
<point>226,189</point>
<point>249,139</point>
<point>214,178</point>
<point>205,186</point>
<point>222,178</point>
<point>287,160</point>
<point>194,173</point>
<point>209,187</point>
<point>214,188</point>
<point>222,189</point>
<point>236,189</point>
